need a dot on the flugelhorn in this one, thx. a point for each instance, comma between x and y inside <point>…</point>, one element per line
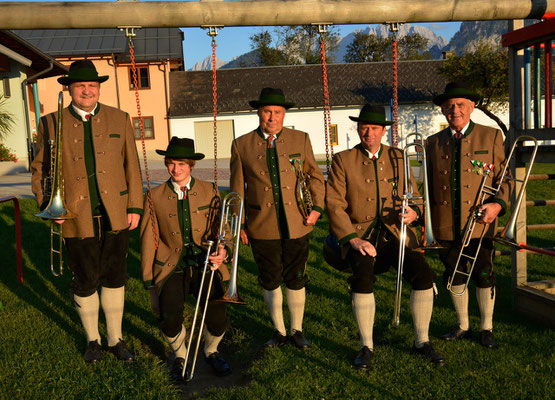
<point>56,208</point>
<point>228,235</point>
<point>302,189</point>
<point>411,199</point>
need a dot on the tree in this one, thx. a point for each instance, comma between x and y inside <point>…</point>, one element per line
<point>6,119</point>
<point>485,70</point>
<point>367,47</point>
<point>293,45</point>
<point>268,55</point>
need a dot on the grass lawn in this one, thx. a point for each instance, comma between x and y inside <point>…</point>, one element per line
<point>41,339</point>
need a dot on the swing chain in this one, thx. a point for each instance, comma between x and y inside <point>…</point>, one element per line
<point>213,32</point>
<point>130,33</point>
<point>394,28</point>
<point>322,30</point>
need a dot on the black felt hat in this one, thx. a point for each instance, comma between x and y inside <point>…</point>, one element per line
<point>372,114</point>
<point>181,148</point>
<point>271,97</point>
<point>82,71</point>
<point>456,90</point>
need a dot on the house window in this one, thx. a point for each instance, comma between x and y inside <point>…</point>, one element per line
<point>143,80</point>
<point>6,86</point>
<point>334,135</point>
<point>443,126</point>
<point>149,127</point>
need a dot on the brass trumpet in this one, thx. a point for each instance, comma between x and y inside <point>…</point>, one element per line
<point>56,208</point>
<point>228,234</point>
<point>409,198</point>
<point>475,214</point>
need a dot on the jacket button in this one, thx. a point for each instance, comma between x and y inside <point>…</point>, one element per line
<point>75,158</point>
<point>367,180</point>
<point>194,193</point>
<point>368,217</point>
<point>368,199</point>
<point>169,265</point>
<point>444,172</point>
<point>467,201</point>
<point>447,156</point>
<point>444,187</point>
<point>468,170</point>
<point>259,156</point>
<point>359,227</point>
<point>266,188</point>
<point>468,154</point>
<point>444,202</point>
<point>365,163</point>
<point>169,197</point>
<point>261,172</point>
<point>176,249</point>
<point>78,178</point>
<point>75,125</point>
<point>196,230</point>
<point>173,233</point>
<point>268,204</point>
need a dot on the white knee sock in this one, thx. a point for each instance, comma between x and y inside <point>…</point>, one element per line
<point>461,306</point>
<point>295,302</point>
<point>486,304</point>
<point>364,308</point>
<point>87,308</point>
<point>421,305</point>
<point>274,302</point>
<point>112,303</point>
<point>211,342</point>
<point>177,343</point>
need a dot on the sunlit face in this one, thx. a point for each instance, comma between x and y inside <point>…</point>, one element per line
<point>370,135</point>
<point>271,119</point>
<point>457,112</point>
<point>84,95</point>
<point>179,170</point>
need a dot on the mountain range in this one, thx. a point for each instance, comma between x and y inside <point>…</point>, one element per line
<point>461,42</point>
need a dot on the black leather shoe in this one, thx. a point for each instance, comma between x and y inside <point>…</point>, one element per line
<point>121,351</point>
<point>299,341</point>
<point>218,364</point>
<point>457,333</point>
<point>177,369</point>
<point>487,340</point>
<point>428,351</point>
<point>277,339</point>
<point>362,360</point>
<point>93,352</point>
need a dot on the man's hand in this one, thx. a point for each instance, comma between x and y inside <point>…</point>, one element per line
<point>244,237</point>
<point>154,303</point>
<point>312,218</point>
<point>489,213</point>
<point>133,221</point>
<point>364,246</point>
<point>409,217</point>
<point>216,259</point>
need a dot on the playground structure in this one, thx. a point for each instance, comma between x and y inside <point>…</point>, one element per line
<point>536,299</point>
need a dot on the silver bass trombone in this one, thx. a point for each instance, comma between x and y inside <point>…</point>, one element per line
<point>412,199</point>
<point>228,235</point>
<point>475,213</point>
<point>56,208</point>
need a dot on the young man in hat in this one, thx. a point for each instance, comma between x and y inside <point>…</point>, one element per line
<point>262,172</point>
<point>454,186</point>
<point>364,206</point>
<point>182,208</point>
<point>103,190</point>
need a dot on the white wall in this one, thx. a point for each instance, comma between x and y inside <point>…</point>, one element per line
<point>312,121</point>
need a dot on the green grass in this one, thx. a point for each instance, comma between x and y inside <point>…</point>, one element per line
<point>41,339</point>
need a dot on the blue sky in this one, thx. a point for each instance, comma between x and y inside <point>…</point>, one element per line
<point>234,41</point>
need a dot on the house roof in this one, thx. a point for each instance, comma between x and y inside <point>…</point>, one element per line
<point>349,85</point>
<point>40,60</point>
<point>150,43</point>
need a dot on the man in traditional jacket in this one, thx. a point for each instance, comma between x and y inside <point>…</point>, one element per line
<point>455,156</point>
<point>182,220</point>
<point>364,206</point>
<point>262,172</point>
<point>104,192</point>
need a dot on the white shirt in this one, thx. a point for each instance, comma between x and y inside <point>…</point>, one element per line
<point>81,113</point>
<point>177,188</point>
<point>463,130</point>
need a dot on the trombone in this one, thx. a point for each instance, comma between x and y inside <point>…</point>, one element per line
<point>476,214</point>
<point>228,234</point>
<point>56,208</point>
<point>410,198</point>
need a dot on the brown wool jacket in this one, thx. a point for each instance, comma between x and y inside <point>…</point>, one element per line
<point>157,265</point>
<point>355,188</point>
<point>250,177</point>
<point>482,143</point>
<point>117,168</point>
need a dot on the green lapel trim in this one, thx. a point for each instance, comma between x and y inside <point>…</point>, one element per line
<point>470,128</point>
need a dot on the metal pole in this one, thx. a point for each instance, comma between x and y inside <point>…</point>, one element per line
<point>162,14</point>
